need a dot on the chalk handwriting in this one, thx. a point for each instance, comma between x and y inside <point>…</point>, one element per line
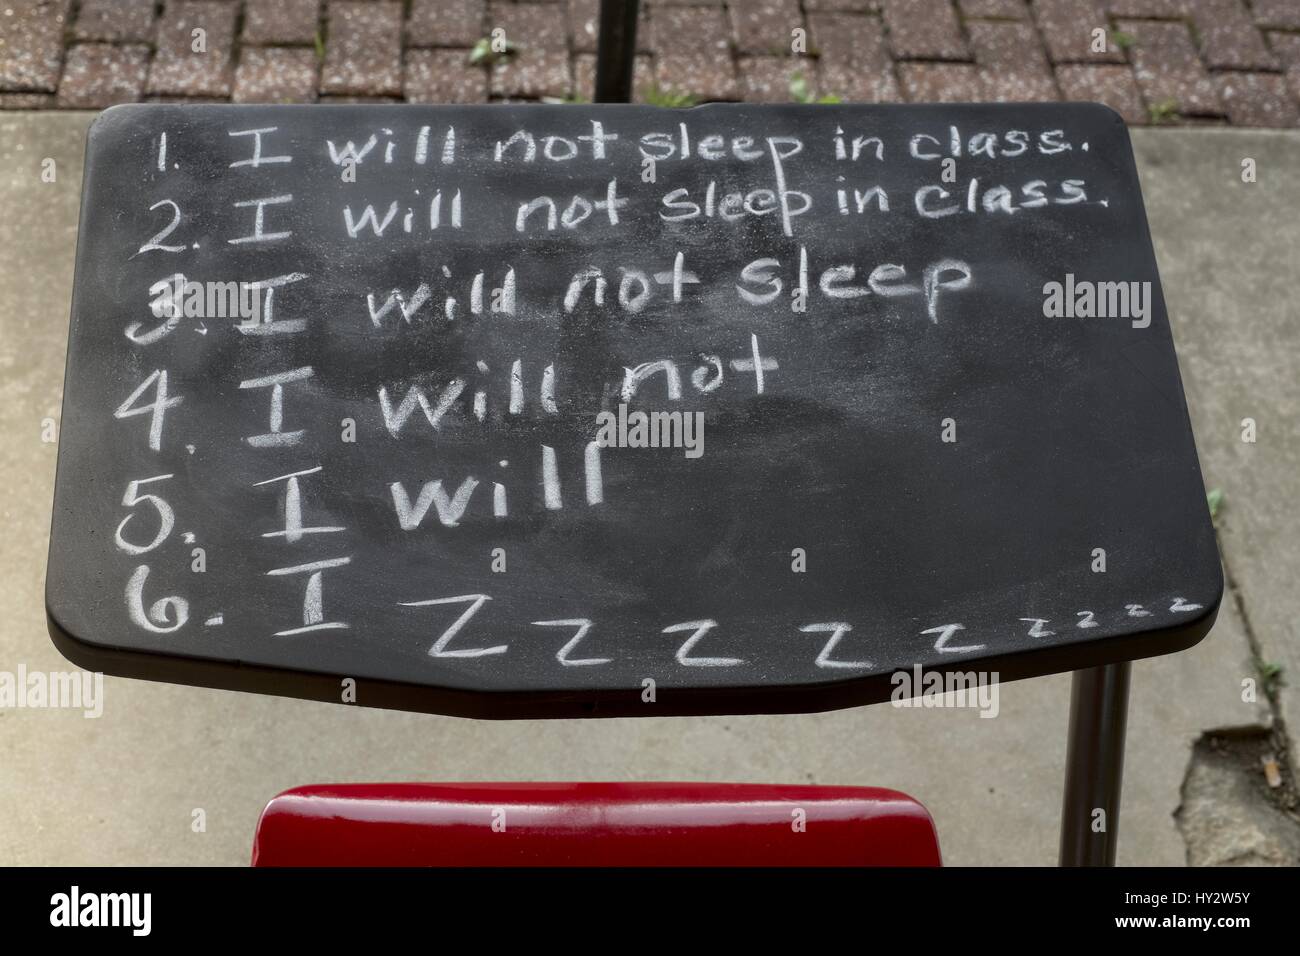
<point>484,350</point>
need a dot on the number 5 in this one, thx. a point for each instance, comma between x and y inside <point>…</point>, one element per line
<point>166,518</point>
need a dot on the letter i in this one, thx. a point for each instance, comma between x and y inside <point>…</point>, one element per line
<point>499,495</point>
<point>595,485</point>
<point>476,295</point>
<point>550,480</point>
<point>480,397</point>
<point>517,387</point>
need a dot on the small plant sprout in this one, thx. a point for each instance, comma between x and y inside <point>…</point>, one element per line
<point>1166,111</point>
<point>489,51</point>
<point>1125,41</point>
<point>1214,498</point>
<point>673,99</point>
<point>801,92</point>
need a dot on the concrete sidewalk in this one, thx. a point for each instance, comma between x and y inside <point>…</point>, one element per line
<point>125,788</point>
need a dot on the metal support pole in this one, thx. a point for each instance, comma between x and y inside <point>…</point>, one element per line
<point>1094,765</point>
<point>616,50</point>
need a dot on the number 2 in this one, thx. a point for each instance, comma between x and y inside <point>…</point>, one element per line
<point>156,241</point>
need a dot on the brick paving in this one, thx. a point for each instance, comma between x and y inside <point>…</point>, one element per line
<point>1013,68</point>
<point>276,75</point>
<point>1233,62</point>
<point>116,21</point>
<point>195,41</point>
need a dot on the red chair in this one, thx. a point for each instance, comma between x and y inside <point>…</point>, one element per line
<point>593,824</point>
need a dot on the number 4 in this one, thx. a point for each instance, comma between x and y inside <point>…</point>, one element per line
<point>158,406</point>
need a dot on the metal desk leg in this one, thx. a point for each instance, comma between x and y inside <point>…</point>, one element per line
<point>616,50</point>
<point>1094,765</point>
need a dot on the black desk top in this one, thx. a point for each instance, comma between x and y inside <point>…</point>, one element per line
<point>357,451</point>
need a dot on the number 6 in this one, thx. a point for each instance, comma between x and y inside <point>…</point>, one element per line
<point>156,617</point>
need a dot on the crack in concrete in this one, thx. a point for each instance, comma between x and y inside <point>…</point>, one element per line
<point>1227,815</point>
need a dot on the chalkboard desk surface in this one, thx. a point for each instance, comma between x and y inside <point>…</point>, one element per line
<point>913,362</point>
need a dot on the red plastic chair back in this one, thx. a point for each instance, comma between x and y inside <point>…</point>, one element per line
<point>593,824</point>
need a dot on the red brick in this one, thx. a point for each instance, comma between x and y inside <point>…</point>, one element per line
<point>99,75</point>
<point>451,23</point>
<point>443,76</point>
<point>1228,36</point>
<point>995,9</point>
<point>363,55</point>
<point>276,75</point>
<point>924,29</point>
<point>1143,9</point>
<point>584,22</point>
<point>766,79</point>
<point>1277,13</point>
<point>940,82</point>
<point>362,100</point>
<point>542,26</point>
<point>847,38</point>
<point>281,21</point>
<point>531,73</point>
<point>675,31</point>
<point>31,44</point>
<point>1287,48</point>
<point>1168,69</point>
<point>584,77</point>
<point>704,75</point>
<point>1257,99</point>
<point>766,26</point>
<point>177,69</point>
<point>27,101</point>
<point>1012,66</point>
<point>850,6</point>
<point>115,20</point>
<point>859,83</point>
<point>1110,84</point>
<point>855,63</point>
<point>1068,27</point>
